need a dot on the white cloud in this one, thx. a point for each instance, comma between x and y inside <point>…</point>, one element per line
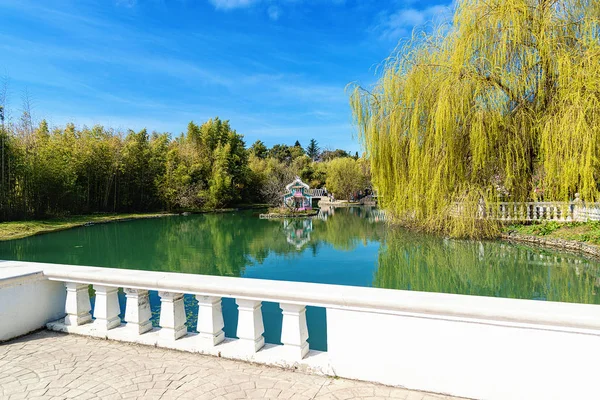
<point>232,4</point>
<point>401,23</point>
<point>273,8</point>
<point>274,12</point>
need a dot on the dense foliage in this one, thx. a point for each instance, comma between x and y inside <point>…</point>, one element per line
<point>502,104</point>
<point>49,172</point>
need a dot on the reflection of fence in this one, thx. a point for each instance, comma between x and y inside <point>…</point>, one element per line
<point>371,214</point>
<point>377,215</point>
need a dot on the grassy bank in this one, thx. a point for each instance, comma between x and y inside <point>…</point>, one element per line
<point>21,229</point>
<point>583,232</point>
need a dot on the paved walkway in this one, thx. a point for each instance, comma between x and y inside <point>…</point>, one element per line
<point>49,365</point>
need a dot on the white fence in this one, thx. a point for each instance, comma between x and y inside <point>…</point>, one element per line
<point>574,211</point>
<point>533,211</point>
<point>477,347</point>
<point>318,192</point>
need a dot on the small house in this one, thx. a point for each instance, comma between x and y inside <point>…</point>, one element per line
<point>297,195</point>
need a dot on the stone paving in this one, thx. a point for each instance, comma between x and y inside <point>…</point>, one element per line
<point>50,365</point>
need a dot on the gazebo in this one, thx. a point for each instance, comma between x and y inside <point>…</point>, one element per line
<point>297,195</point>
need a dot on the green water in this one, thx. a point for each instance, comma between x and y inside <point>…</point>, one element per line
<point>350,247</point>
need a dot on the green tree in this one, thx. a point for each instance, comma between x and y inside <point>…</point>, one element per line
<point>329,155</point>
<point>345,177</point>
<point>313,150</point>
<point>258,149</point>
<point>296,150</point>
<point>481,109</point>
<point>281,153</point>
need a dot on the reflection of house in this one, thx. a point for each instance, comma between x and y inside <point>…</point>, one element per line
<point>298,231</point>
<point>297,195</point>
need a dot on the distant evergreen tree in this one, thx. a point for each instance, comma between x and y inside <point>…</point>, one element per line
<point>258,149</point>
<point>313,149</point>
<point>281,152</point>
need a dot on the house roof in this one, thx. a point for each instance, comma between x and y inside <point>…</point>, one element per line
<point>297,182</point>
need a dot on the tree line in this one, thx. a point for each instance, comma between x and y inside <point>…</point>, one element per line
<point>69,170</point>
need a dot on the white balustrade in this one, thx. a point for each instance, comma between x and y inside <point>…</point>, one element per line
<point>172,321</point>
<point>540,211</point>
<point>354,317</point>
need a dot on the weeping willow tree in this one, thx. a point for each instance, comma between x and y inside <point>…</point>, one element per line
<point>501,104</point>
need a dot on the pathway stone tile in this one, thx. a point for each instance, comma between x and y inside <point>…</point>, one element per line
<point>50,365</point>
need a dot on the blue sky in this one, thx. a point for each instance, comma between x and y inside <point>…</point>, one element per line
<point>277,69</point>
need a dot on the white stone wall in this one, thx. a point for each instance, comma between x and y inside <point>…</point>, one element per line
<point>28,304</point>
<point>474,359</point>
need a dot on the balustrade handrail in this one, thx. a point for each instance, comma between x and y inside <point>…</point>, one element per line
<point>497,310</point>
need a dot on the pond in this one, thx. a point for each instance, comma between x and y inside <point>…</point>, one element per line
<point>345,246</point>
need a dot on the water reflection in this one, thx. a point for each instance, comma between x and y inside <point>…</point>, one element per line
<point>348,246</point>
<point>423,263</point>
<point>297,231</point>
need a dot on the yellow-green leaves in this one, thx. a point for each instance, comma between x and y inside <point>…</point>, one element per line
<point>503,104</point>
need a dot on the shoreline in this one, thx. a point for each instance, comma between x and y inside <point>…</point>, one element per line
<point>573,246</point>
<point>14,230</point>
<point>29,228</point>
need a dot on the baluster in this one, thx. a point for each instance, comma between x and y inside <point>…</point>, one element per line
<point>77,304</point>
<point>250,325</point>
<point>137,311</point>
<point>210,319</point>
<point>294,331</point>
<point>560,215</point>
<point>106,309</point>
<point>528,207</point>
<point>172,316</point>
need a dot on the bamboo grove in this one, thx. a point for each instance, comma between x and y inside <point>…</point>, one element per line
<point>46,172</point>
<point>501,104</point>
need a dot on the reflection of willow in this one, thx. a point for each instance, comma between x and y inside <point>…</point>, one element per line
<point>425,263</point>
<point>347,227</point>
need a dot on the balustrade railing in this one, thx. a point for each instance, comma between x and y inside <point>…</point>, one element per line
<point>532,211</point>
<point>318,192</point>
<point>574,211</point>
<point>379,335</point>
<point>172,321</point>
